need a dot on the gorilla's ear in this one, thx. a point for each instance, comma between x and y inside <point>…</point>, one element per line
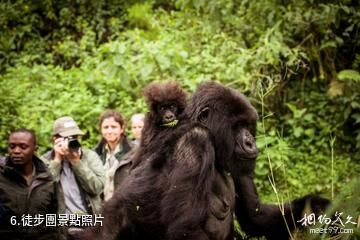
<point>203,115</point>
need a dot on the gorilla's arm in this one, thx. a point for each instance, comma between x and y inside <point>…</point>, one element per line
<point>270,220</point>
<point>258,219</point>
<point>185,203</point>
<point>132,212</point>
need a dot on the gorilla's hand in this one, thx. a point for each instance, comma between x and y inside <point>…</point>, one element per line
<point>312,203</point>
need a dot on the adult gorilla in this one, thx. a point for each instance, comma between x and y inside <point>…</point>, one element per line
<point>184,188</point>
<point>231,120</point>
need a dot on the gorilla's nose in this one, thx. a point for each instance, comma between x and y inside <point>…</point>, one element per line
<point>248,143</point>
<point>169,117</point>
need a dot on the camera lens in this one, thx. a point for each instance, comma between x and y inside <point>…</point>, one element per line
<point>74,144</point>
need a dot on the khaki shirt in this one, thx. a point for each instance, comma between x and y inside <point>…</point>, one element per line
<point>111,164</point>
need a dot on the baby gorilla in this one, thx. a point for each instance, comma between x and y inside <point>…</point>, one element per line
<point>166,103</point>
<point>134,210</point>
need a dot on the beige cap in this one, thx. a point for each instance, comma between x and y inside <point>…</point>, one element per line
<point>65,127</point>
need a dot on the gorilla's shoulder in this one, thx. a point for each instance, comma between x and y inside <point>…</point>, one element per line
<point>196,136</point>
<point>197,130</point>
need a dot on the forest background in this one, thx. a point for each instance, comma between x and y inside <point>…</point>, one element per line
<point>297,60</point>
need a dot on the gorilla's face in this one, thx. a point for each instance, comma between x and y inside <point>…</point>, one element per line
<point>166,114</point>
<point>231,120</point>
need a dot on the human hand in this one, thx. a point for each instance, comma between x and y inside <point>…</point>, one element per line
<point>60,149</point>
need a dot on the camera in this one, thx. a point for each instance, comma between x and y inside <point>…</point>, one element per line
<point>73,144</point>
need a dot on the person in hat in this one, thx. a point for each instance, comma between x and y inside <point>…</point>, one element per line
<point>27,191</point>
<point>78,170</point>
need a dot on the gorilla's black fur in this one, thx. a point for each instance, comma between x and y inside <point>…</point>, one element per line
<point>166,103</point>
<point>196,177</point>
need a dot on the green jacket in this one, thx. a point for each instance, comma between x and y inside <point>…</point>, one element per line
<point>18,200</point>
<point>90,176</point>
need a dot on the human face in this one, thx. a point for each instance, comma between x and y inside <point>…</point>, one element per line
<point>111,130</point>
<point>136,127</point>
<point>21,148</point>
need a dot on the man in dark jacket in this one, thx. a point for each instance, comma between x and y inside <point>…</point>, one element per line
<point>28,194</point>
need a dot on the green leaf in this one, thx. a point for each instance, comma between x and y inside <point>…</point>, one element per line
<point>298,131</point>
<point>349,74</point>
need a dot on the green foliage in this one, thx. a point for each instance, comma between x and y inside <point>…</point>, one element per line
<point>78,58</point>
<point>349,75</point>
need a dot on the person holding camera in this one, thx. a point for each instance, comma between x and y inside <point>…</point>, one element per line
<point>78,170</point>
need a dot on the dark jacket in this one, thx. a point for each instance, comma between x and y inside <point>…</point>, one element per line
<point>124,167</point>
<point>17,200</point>
<point>125,145</point>
<point>124,157</point>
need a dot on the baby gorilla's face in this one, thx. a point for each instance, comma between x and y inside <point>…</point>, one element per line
<point>168,114</point>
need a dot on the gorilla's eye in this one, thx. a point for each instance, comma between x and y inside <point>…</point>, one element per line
<point>236,127</point>
<point>173,108</point>
<point>161,109</point>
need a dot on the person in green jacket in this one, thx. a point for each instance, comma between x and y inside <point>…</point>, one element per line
<point>27,192</point>
<point>78,170</point>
